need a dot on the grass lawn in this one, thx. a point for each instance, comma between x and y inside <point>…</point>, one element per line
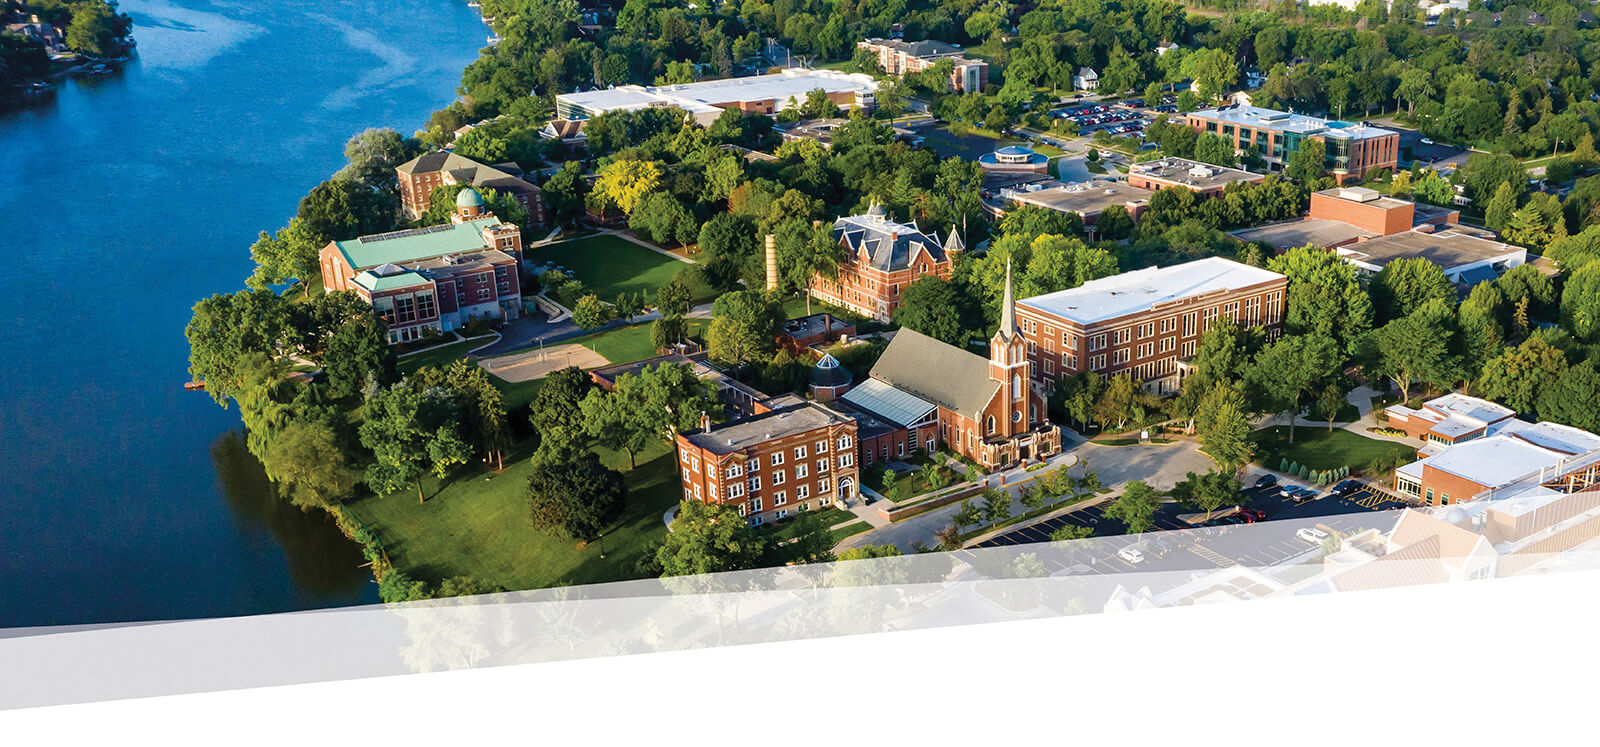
<point>1319,448</point>
<point>849,530</point>
<point>609,265</point>
<point>440,356</point>
<point>478,525</point>
<point>630,343</point>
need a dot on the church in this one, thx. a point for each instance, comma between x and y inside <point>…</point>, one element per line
<point>923,393</point>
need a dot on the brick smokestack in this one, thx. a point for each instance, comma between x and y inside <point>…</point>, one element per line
<point>772,262</point>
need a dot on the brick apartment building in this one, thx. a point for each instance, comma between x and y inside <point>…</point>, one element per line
<point>898,57</point>
<point>923,392</point>
<point>421,175</point>
<point>772,465</point>
<point>882,257</point>
<point>1349,149</point>
<point>1146,323</point>
<point>431,280</point>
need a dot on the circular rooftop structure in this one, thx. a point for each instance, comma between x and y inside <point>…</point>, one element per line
<point>469,197</point>
<point>1014,158</point>
<point>828,374</point>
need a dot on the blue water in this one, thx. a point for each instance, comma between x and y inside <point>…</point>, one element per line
<point>128,198</point>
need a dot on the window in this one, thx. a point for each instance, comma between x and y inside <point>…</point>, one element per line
<point>988,425</point>
<point>1147,330</point>
<point>687,493</point>
<point>846,459</point>
<point>694,464</point>
<point>800,471</point>
<point>1097,362</point>
<point>1119,356</point>
<point>1122,336</point>
<point>735,490</point>
<point>1188,324</point>
<point>1016,386</point>
<point>755,504</point>
<point>778,477</point>
<point>803,492</point>
<point>1016,416</point>
<point>799,452</point>
<point>1168,343</point>
<point>483,294</point>
<point>822,485</point>
<point>822,465</point>
<point>733,470</point>
<point>784,514</point>
<point>1169,324</point>
<point>822,446</point>
<point>844,442</point>
<point>753,466</point>
<point>1067,340</point>
<point>779,499</point>
<point>425,306</point>
<point>711,492</point>
<point>1097,342</point>
<point>777,458</point>
<point>755,483</point>
<point>697,494</point>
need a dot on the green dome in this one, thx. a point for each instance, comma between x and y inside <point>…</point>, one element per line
<point>469,197</point>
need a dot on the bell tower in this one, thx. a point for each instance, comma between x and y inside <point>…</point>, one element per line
<point>1008,364</point>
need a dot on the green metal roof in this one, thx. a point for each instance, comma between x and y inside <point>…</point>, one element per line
<point>417,243</point>
<point>379,283</point>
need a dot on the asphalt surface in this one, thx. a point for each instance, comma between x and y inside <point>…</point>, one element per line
<point>1202,548</point>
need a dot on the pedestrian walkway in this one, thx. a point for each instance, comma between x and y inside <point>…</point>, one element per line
<point>627,236</point>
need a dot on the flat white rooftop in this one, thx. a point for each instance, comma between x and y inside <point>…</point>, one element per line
<point>1140,290</point>
<point>1493,462</point>
<point>1555,436</point>
<point>1472,407</point>
<point>1281,121</point>
<point>709,95</point>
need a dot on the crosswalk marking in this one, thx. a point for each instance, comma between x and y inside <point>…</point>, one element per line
<point>1210,556</point>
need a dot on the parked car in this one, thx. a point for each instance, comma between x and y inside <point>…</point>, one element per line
<point>1289,491</point>
<point>1346,487</point>
<point>1131,554</point>
<point>1311,534</point>
<point>1266,481</point>
<point>1252,514</point>
<point>1307,494</point>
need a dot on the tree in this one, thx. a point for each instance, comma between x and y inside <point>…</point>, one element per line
<point>1114,223</point>
<point>1330,401</point>
<point>357,351</point>
<point>967,514</point>
<point>1069,532</point>
<point>1207,492</point>
<point>865,552</point>
<point>628,305</point>
<point>1116,405</point>
<point>373,154</point>
<point>930,306</point>
<point>578,496</point>
<point>661,218</point>
<point>1405,285</point>
<point>1223,425</point>
<point>1325,295</point>
<point>1573,398</point>
<point>625,182</point>
<point>478,400</point>
<point>442,205</point>
<point>1580,304</point>
<point>1412,347</point>
<point>556,403</point>
<point>1215,150</point>
<point>709,539</point>
<point>667,331</point>
<point>1287,369</point>
<point>805,251</point>
<point>1214,70</point>
<point>1307,162</point>
<point>228,328</point>
<point>305,460</point>
<point>996,505</point>
<point>564,192</point>
<point>656,403</point>
<point>591,312</point>
<point>1136,507</point>
<point>341,209</point>
<point>409,433</point>
<point>673,297</point>
<point>293,254</point>
<point>742,325</point>
<point>1519,375</point>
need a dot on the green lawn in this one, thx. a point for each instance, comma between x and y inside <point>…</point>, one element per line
<point>609,265</point>
<point>478,525</point>
<point>628,344</point>
<point>440,356</point>
<point>1319,448</point>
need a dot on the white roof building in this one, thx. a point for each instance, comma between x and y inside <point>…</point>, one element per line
<point>706,100</point>
<point>1140,290</point>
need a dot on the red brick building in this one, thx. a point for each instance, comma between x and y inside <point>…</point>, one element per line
<point>1145,323</point>
<point>770,466</point>
<point>882,257</point>
<point>898,57</point>
<point>424,281</point>
<point>421,175</point>
<point>1349,150</point>
<point>1513,456</point>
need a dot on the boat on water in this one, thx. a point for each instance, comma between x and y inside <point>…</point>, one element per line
<point>474,4</point>
<point>494,39</point>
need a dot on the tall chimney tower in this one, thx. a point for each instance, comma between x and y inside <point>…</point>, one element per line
<point>772,262</point>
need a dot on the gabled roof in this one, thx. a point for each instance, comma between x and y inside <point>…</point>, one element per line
<point>887,245</point>
<point>937,372</point>
<point>464,170</point>
<point>1456,544</point>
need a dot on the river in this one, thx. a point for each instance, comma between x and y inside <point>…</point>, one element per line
<point>132,196</point>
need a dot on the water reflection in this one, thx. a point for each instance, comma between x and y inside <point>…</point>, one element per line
<point>324,566</point>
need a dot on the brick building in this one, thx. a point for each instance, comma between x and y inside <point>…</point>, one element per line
<point>705,100</point>
<point>882,257</point>
<point>898,57</point>
<point>431,280</point>
<point>421,175</point>
<point>923,392</point>
<point>772,465</point>
<point>1513,456</point>
<point>1146,323</point>
<point>1449,419</point>
<point>1349,149</point>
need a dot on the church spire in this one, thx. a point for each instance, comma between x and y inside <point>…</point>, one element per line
<point>1008,308</point>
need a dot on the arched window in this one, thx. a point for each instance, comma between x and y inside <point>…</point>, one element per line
<point>989,425</point>
<point>1016,386</point>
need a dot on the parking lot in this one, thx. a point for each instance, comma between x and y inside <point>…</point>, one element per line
<point>1217,545</point>
<point>1128,118</point>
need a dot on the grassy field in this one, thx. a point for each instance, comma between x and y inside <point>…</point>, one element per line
<point>631,343</point>
<point>441,356</point>
<point>478,525</point>
<point>1319,448</point>
<point>609,265</point>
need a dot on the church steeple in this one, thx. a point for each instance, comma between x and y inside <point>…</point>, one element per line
<point>1008,309</point>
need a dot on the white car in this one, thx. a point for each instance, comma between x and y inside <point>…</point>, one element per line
<point>1311,534</point>
<point>1132,555</point>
